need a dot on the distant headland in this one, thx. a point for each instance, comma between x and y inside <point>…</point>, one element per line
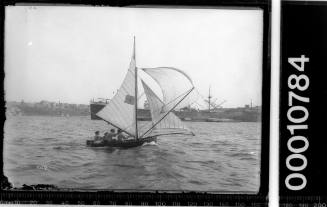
<point>46,108</point>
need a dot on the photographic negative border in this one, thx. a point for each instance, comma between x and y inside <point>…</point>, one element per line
<point>302,155</point>
<point>165,198</point>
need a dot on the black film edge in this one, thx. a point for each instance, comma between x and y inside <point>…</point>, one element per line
<point>303,93</point>
<point>166,198</point>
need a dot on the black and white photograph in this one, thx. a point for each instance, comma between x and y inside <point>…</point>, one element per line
<point>133,99</point>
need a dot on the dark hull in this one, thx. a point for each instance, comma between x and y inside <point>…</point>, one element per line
<point>121,144</point>
<point>95,108</point>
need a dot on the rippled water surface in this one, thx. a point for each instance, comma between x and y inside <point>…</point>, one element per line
<point>52,150</point>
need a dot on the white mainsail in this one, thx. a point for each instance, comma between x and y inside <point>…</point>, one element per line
<point>163,120</point>
<point>120,112</point>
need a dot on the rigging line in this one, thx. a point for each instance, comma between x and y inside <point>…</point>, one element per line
<point>175,98</point>
<point>187,133</point>
<point>168,112</point>
<point>155,95</point>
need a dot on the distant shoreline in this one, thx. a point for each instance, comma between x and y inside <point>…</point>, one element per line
<point>8,116</point>
<point>40,115</point>
<point>45,108</point>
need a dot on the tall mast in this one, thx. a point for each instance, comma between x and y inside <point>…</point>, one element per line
<point>136,131</point>
<point>209,98</point>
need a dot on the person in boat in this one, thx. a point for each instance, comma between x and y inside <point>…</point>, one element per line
<point>105,135</point>
<point>108,136</point>
<point>120,135</point>
<point>97,137</point>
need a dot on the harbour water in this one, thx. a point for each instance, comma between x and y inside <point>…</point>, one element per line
<point>52,150</point>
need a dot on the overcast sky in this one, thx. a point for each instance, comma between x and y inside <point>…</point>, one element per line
<point>73,54</point>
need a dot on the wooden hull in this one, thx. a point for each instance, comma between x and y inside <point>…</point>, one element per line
<point>121,144</point>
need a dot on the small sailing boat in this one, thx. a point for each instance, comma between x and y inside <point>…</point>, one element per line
<point>121,111</point>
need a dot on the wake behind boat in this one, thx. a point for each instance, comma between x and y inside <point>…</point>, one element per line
<point>121,111</point>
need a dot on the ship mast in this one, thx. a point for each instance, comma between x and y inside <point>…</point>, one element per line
<point>136,131</point>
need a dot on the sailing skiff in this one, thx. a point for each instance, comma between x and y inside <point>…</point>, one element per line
<point>121,111</point>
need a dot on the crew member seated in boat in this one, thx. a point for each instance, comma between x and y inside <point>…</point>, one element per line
<point>108,136</point>
<point>104,136</point>
<point>97,137</point>
<point>120,135</point>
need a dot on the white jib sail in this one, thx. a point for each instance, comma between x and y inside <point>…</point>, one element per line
<point>163,120</point>
<point>120,111</point>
